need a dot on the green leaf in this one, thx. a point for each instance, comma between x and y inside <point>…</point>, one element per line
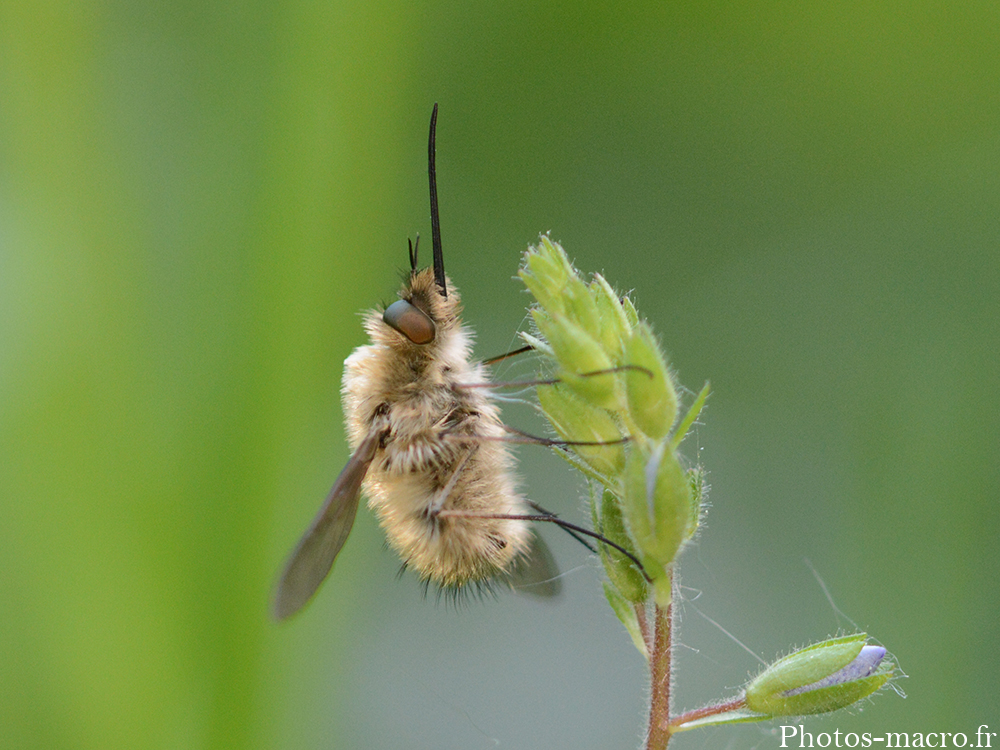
<point>691,416</point>
<point>628,616</point>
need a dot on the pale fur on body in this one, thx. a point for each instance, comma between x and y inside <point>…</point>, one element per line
<point>440,446</point>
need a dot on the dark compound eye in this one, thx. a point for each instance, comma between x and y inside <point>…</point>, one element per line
<point>410,321</point>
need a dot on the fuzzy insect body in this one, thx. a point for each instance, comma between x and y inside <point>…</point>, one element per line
<point>428,450</point>
<point>440,445</point>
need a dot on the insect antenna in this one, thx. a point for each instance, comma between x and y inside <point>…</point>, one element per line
<point>435,216</point>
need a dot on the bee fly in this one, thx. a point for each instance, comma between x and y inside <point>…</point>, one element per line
<point>429,450</point>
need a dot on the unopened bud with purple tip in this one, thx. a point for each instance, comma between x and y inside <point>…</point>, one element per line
<point>823,677</point>
<point>864,664</point>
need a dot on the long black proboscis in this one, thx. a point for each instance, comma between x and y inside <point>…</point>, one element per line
<point>435,216</point>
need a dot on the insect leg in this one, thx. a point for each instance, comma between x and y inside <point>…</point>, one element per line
<point>553,381</point>
<point>508,355</point>
<point>434,509</point>
<point>572,533</point>
<point>548,517</point>
<point>524,438</point>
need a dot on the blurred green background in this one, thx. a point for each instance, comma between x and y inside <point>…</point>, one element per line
<point>196,198</point>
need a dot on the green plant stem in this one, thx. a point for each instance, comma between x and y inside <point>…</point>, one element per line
<point>659,670</point>
<point>734,704</point>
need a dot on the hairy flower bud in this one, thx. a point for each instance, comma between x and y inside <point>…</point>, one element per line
<point>584,366</point>
<point>546,272</point>
<point>657,504</point>
<point>576,420</point>
<point>823,677</point>
<point>615,326</point>
<point>622,572</point>
<point>652,400</point>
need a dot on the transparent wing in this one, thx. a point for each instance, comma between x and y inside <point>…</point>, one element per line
<point>537,573</point>
<point>312,559</point>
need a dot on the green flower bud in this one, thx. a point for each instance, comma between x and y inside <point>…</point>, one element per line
<point>545,272</point>
<point>549,299</point>
<point>823,677</point>
<point>558,288</point>
<point>578,353</point>
<point>554,252</point>
<point>622,572</point>
<point>615,327</point>
<point>577,420</point>
<point>657,505</point>
<point>652,400</point>
<point>581,307</point>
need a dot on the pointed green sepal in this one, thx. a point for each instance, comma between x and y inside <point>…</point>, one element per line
<point>626,612</point>
<point>631,314</point>
<point>539,345</point>
<point>691,416</point>
<point>696,477</point>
